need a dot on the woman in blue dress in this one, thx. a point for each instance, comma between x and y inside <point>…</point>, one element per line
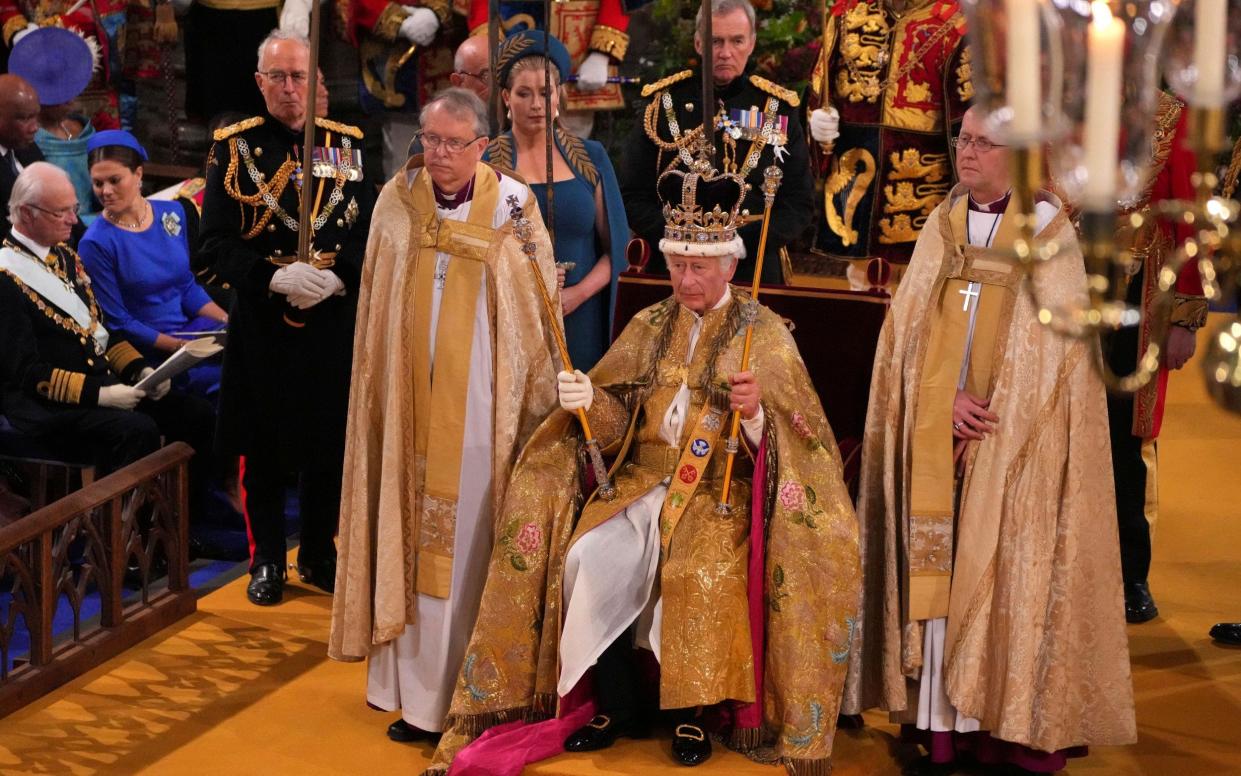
<point>138,259</point>
<point>587,221</point>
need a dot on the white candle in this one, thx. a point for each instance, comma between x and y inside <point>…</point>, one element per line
<point>1022,81</point>
<point>1104,67</point>
<point>1210,33</point>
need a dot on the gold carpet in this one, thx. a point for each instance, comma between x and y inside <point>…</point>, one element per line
<point>236,689</point>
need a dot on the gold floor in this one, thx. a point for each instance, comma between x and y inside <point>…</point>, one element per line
<point>236,690</point>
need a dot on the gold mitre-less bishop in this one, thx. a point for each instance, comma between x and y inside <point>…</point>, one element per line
<point>757,604</point>
<point>452,285</point>
<point>1015,561</point>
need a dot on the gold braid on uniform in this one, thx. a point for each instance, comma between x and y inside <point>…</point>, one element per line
<point>388,25</point>
<point>275,187</point>
<point>610,41</point>
<point>788,95</point>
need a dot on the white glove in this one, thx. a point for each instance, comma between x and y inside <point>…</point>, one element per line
<point>29,28</point>
<point>306,298</point>
<point>575,390</point>
<point>300,282</point>
<point>179,7</point>
<point>420,26</point>
<point>592,74</point>
<point>824,125</point>
<point>295,16</point>
<point>159,391</point>
<point>120,397</point>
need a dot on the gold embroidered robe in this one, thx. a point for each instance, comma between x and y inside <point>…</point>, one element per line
<point>396,530</point>
<point>511,666</point>
<point>1035,647</point>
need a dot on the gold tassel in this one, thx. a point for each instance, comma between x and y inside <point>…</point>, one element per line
<point>745,739</point>
<point>165,24</point>
<point>473,725</point>
<point>796,767</point>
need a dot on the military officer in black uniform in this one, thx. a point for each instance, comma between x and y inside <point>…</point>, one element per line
<point>63,376</point>
<point>756,123</point>
<point>285,385</point>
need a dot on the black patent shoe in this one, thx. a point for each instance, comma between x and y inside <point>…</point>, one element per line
<point>266,586</point>
<point>600,733</point>
<point>690,745</point>
<point>403,733</point>
<point>321,574</point>
<point>1139,605</point>
<point>1227,633</point>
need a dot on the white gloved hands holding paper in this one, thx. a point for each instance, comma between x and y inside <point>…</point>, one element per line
<point>824,125</point>
<point>592,75</point>
<point>159,391</point>
<point>420,26</point>
<point>120,397</point>
<point>575,390</point>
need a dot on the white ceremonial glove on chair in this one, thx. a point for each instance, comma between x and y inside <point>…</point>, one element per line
<point>29,28</point>
<point>592,75</point>
<point>575,390</point>
<point>295,16</point>
<point>331,284</point>
<point>420,26</point>
<point>159,391</point>
<point>120,397</point>
<point>824,125</point>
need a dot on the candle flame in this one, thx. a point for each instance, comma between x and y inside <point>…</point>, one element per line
<point>1102,15</point>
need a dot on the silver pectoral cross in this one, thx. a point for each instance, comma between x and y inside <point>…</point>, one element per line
<point>441,272</point>
<point>971,294</point>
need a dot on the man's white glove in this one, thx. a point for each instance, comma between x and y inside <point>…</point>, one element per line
<point>824,125</point>
<point>29,28</point>
<point>120,397</point>
<point>295,16</point>
<point>592,75</point>
<point>575,390</point>
<point>420,26</point>
<point>159,391</point>
<point>300,282</point>
<point>330,284</point>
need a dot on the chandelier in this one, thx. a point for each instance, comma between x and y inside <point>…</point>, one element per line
<point>1082,79</point>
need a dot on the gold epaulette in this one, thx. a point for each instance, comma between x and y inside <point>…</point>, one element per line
<point>336,126</point>
<point>224,133</point>
<point>664,83</point>
<point>788,95</point>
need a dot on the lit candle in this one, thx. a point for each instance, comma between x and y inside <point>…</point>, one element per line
<point>1104,67</point>
<point>1210,33</point>
<point>1023,67</point>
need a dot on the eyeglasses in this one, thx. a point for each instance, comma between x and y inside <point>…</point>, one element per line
<point>483,75</point>
<point>59,215</point>
<point>981,144</point>
<point>452,146</point>
<point>280,77</point>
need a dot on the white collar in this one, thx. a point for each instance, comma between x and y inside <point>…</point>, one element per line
<point>40,251</point>
<point>725,299</point>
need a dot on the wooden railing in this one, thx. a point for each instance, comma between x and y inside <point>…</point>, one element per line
<point>81,544</point>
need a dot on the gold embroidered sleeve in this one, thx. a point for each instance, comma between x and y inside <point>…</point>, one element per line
<point>388,26</point>
<point>12,27</point>
<point>442,9</point>
<point>610,41</point>
<point>123,357</point>
<point>1189,312</point>
<point>63,386</point>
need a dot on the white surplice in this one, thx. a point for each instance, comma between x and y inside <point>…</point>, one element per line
<point>417,671</point>
<point>609,575</point>
<point>935,712</point>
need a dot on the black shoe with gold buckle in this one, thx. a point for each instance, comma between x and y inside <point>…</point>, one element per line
<point>690,745</point>
<point>600,733</point>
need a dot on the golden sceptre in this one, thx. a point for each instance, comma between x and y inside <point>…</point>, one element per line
<point>771,183</point>
<point>525,233</point>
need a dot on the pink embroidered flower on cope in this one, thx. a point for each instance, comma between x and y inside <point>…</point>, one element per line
<point>792,496</point>
<point>529,539</point>
<point>801,426</point>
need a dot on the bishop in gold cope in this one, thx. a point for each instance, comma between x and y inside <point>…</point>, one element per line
<point>992,603</point>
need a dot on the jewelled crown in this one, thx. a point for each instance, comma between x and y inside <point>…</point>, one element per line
<point>701,212</point>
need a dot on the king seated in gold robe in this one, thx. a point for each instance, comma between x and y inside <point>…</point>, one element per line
<point>446,284</point>
<point>748,611</point>
<point>992,616</point>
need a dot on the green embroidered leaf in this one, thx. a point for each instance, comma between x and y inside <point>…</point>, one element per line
<point>811,496</point>
<point>798,518</point>
<point>518,562</point>
<point>810,522</point>
<point>774,604</point>
<point>777,576</point>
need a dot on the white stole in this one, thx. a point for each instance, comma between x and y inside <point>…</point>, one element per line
<point>35,275</point>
